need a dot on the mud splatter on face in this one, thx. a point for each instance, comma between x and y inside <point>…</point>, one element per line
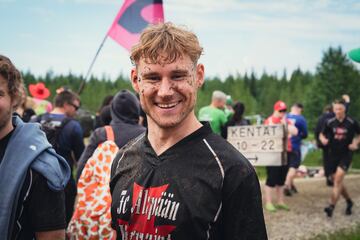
<point>147,69</point>
<point>191,80</point>
<point>172,86</point>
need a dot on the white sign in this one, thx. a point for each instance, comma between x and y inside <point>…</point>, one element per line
<point>262,145</point>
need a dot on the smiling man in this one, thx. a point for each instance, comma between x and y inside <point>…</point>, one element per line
<point>179,180</point>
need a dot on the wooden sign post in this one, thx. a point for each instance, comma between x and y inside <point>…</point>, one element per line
<point>262,145</point>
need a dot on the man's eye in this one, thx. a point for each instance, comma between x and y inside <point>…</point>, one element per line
<point>178,77</point>
<point>152,78</point>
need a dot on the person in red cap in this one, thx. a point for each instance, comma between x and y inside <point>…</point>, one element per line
<point>40,93</point>
<point>276,175</point>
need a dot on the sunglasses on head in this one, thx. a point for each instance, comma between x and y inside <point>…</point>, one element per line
<point>282,111</point>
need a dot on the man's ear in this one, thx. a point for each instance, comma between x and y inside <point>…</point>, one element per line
<point>134,79</point>
<point>200,74</point>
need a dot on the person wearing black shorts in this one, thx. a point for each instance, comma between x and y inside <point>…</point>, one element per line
<point>276,175</point>
<point>179,180</point>
<point>341,135</point>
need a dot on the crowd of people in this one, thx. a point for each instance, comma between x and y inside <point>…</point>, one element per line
<point>152,169</point>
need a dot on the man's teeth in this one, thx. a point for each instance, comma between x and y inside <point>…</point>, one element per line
<point>169,105</point>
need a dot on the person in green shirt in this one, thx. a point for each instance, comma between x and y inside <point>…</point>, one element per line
<point>214,113</point>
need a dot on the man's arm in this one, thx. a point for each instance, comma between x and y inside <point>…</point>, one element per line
<point>51,235</point>
<point>356,140</point>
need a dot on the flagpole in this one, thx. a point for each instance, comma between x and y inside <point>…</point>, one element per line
<point>82,85</point>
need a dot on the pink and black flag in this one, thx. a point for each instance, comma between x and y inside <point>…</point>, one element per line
<point>133,17</point>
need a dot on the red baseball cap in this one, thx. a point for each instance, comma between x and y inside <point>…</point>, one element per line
<point>280,105</point>
<point>39,91</point>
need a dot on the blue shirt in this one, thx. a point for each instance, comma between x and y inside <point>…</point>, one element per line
<point>300,123</point>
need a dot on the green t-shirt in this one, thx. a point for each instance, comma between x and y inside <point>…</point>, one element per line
<point>214,116</point>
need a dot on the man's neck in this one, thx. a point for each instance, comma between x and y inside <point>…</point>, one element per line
<point>58,110</point>
<point>340,119</point>
<point>162,139</point>
<point>7,129</point>
<point>214,105</point>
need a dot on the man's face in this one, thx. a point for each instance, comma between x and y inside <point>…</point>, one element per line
<point>168,91</point>
<point>6,106</point>
<point>71,108</point>
<point>280,113</point>
<point>220,103</point>
<point>339,110</point>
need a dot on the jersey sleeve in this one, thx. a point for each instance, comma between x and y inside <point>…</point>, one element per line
<point>242,207</point>
<point>46,208</point>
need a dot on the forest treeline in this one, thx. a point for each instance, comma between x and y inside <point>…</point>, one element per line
<point>334,76</point>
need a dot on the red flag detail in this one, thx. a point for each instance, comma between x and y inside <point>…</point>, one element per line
<point>132,18</point>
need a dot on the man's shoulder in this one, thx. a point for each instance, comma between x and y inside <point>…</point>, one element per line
<point>351,120</point>
<point>134,146</point>
<point>227,154</point>
<point>332,120</point>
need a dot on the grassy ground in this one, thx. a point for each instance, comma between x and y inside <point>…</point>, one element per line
<point>353,234</point>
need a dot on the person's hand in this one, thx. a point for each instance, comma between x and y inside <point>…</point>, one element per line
<point>353,146</point>
<point>324,141</point>
<point>346,98</point>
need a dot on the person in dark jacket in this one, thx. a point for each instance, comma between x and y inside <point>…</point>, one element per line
<point>125,110</point>
<point>33,175</point>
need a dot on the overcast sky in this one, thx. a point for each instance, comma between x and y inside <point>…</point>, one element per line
<point>237,36</point>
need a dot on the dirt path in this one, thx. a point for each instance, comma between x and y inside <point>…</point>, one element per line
<point>306,217</point>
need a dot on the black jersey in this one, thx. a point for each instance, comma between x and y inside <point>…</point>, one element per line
<point>200,188</point>
<point>340,134</point>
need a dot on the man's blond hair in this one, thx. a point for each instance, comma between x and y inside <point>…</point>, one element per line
<point>165,43</point>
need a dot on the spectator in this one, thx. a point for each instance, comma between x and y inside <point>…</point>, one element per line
<point>276,175</point>
<point>214,113</point>
<point>125,109</point>
<point>33,176</point>
<point>70,140</point>
<point>299,122</point>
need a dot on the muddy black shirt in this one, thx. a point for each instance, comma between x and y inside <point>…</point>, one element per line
<point>200,188</point>
<point>341,134</point>
<point>39,209</point>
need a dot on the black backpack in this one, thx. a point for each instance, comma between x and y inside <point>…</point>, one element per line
<point>52,129</point>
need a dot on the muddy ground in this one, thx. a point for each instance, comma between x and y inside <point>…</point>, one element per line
<point>306,217</point>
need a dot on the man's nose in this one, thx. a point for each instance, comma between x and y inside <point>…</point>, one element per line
<point>165,88</point>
